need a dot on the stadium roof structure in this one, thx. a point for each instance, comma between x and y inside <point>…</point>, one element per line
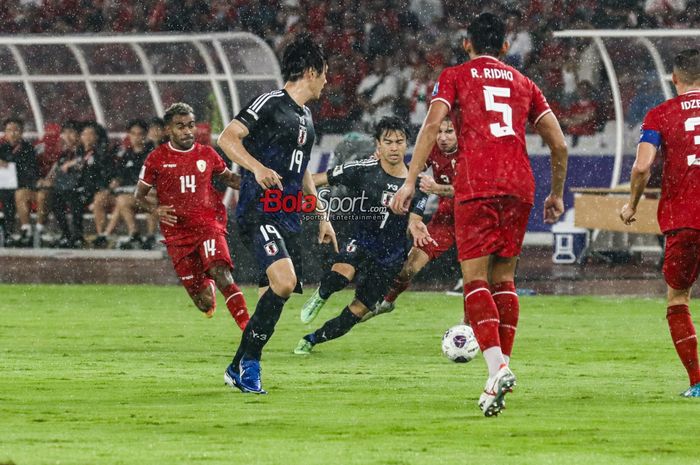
<point>636,62</point>
<point>115,78</point>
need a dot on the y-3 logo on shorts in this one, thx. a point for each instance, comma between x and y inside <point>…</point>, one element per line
<point>209,248</point>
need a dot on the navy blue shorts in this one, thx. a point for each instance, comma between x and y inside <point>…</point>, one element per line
<point>372,279</point>
<point>270,243</point>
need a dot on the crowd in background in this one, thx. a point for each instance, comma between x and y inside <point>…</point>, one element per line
<point>386,54</point>
<point>384,57</point>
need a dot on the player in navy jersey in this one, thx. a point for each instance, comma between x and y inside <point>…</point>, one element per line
<point>191,214</point>
<point>378,243</point>
<point>271,139</point>
<point>674,129</point>
<point>441,227</point>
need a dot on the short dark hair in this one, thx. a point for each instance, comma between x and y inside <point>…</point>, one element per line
<point>389,123</point>
<point>487,33</point>
<point>71,125</point>
<point>156,121</point>
<point>137,122</point>
<point>302,54</point>
<point>686,65</point>
<point>175,109</point>
<point>13,119</point>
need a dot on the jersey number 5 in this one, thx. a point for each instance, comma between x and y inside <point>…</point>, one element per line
<point>490,93</point>
<point>690,125</point>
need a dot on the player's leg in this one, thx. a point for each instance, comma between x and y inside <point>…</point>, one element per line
<point>102,201</point>
<point>216,258</point>
<point>506,299</point>
<point>272,254</point>
<point>23,202</point>
<point>42,210</point>
<point>193,277</point>
<point>680,272</point>
<point>336,279</point>
<point>372,283</point>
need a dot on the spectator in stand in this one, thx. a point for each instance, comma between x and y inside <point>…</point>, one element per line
<point>377,92</point>
<point>580,118</point>
<point>98,165</point>
<point>15,149</point>
<point>519,39</point>
<point>66,191</point>
<point>156,132</point>
<point>127,165</point>
<point>417,95</point>
<point>336,110</point>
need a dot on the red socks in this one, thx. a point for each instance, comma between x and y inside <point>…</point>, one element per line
<point>508,310</point>
<point>236,305</point>
<point>480,310</point>
<point>684,339</point>
<point>397,287</point>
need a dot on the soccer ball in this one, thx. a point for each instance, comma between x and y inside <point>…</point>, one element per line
<point>459,344</point>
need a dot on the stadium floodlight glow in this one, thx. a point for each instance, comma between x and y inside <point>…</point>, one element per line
<point>663,73</point>
<point>236,66</point>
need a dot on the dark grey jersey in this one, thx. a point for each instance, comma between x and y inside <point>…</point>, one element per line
<point>375,227</point>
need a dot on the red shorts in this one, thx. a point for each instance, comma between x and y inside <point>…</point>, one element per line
<point>444,234</point>
<point>191,261</point>
<point>682,258</point>
<point>494,225</point>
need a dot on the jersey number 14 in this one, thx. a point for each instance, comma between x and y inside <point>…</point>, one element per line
<point>187,183</point>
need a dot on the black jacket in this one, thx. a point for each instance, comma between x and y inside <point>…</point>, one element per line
<point>25,159</point>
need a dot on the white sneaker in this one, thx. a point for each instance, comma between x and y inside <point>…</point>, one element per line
<point>458,290</point>
<point>492,400</point>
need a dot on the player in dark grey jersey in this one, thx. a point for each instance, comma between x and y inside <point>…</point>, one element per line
<point>378,243</point>
<point>271,139</point>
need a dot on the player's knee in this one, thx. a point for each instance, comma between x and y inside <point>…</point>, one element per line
<point>358,308</point>
<point>284,288</point>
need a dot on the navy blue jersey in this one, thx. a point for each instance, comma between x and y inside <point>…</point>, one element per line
<point>375,228</point>
<point>281,137</point>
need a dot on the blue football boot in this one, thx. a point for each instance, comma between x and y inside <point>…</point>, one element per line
<point>249,380</point>
<point>692,391</point>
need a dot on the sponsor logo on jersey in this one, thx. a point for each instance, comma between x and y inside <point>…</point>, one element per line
<point>169,165</point>
<point>271,249</point>
<point>201,165</point>
<point>338,170</point>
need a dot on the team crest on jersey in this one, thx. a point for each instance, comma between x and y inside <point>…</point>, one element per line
<point>271,249</point>
<point>436,88</point>
<point>386,198</point>
<point>301,140</point>
<point>201,165</point>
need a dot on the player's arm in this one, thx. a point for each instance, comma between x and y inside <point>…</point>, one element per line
<point>641,171</point>
<point>230,178</point>
<point>548,128</point>
<point>165,213</point>
<point>419,231</point>
<point>428,185</point>
<point>424,144</point>
<point>320,179</point>
<point>326,233</point>
<point>231,142</point>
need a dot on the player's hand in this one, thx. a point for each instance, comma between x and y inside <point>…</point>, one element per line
<point>553,208</point>
<point>326,234</point>
<point>166,214</point>
<point>402,199</point>
<point>421,236</point>
<point>427,184</point>
<point>627,214</point>
<point>268,178</point>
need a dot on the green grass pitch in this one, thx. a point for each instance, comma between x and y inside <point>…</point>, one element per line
<point>134,375</point>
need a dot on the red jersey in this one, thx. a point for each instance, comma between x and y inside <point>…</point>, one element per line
<point>183,179</point>
<point>674,127</point>
<point>443,173</point>
<point>495,102</point>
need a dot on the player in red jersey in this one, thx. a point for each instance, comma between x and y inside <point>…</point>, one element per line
<point>674,128</point>
<point>192,216</point>
<point>441,226</point>
<point>494,186</point>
